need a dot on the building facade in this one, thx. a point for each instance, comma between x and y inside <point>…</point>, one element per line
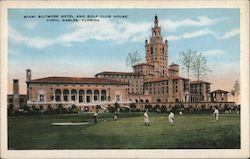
<point>152,81</point>
<point>219,96</point>
<point>66,91</point>
<point>199,91</point>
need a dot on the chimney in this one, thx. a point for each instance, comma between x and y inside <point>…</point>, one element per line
<point>16,93</point>
<point>28,75</point>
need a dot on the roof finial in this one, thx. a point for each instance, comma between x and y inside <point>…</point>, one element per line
<point>156,20</point>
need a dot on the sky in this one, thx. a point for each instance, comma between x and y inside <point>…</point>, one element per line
<point>84,48</point>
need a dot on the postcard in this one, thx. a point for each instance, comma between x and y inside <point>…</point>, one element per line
<point>162,79</point>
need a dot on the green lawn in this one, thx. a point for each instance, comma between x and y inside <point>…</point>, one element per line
<point>129,132</point>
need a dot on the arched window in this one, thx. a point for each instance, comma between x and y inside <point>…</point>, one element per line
<point>96,95</point>
<point>65,95</point>
<point>89,96</point>
<point>81,95</point>
<point>152,50</point>
<point>41,96</point>
<point>162,50</point>
<point>103,95</point>
<point>73,94</point>
<point>159,100</point>
<point>58,93</point>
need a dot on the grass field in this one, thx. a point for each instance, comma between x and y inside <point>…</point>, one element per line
<point>129,132</point>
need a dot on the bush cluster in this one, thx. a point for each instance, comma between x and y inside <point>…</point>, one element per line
<point>25,110</point>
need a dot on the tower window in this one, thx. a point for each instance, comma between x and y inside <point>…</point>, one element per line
<point>152,50</point>
<point>162,50</point>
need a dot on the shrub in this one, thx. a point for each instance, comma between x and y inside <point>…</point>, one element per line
<point>156,108</point>
<point>148,107</point>
<point>10,109</point>
<point>163,109</point>
<point>132,106</point>
<point>49,110</point>
<point>73,109</point>
<point>111,109</point>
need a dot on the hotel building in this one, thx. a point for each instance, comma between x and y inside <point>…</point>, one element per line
<point>153,81</point>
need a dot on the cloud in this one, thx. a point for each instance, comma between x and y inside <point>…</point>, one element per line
<point>214,52</point>
<point>171,25</point>
<point>117,32</point>
<point>231,33</point>
<point>189,35</point>
<point>36,42</point>
<point>30,24</point>
<point>14,52</point>
<point>120,32</point>
<point>201,32</point>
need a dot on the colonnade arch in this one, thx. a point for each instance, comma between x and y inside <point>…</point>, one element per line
<point>80,95</point>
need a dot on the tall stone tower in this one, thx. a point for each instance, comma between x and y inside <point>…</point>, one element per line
<point>157,51</point>
<point>16,97</point>
<point>28,79</point>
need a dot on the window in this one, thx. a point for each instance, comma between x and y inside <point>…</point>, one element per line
<point>152,50</point>
<point>95,98</point>
<point>41,97</point>
<point>80,99</point>
<point>65,98</point>
<point>117,98</point>
<point>58,98</point>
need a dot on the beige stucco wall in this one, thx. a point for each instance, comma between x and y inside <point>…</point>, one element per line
<point>49,90</point>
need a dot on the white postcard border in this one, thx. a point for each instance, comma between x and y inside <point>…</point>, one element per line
<point>243,5</point>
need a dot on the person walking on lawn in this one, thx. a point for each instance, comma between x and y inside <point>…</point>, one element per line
<point>146,118</point>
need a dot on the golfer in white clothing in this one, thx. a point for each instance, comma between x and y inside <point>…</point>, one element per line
<point>171,118</point>
<point>216,114</point>
<point>146,120</point>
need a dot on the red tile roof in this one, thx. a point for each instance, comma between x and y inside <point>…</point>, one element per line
<point>164,79</point>
<point>198,81</point>
<point>77,80</point>
<point>172,69</point>
<point>219,91</point>
<point>140,64</point>
<point>174,64</point>
<point>119,73</point>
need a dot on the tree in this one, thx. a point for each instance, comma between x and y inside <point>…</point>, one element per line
<point>186,60</point>
<point>236,89</point>
<point>132,58</point>
<point>199,66</point>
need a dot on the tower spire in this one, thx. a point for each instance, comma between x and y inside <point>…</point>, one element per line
<point>156,21</point>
